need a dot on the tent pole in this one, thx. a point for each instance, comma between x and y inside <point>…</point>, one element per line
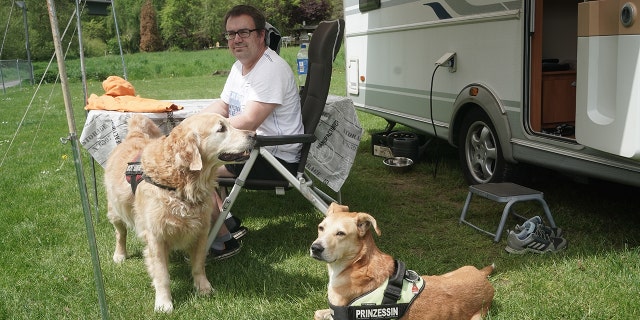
<point>77,160</point>
<point>115,20</point>
<point>83,73</point>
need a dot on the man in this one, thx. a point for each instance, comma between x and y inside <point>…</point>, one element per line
<point>260,94</point>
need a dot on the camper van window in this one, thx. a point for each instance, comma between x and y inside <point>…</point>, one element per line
<point>368,5</point>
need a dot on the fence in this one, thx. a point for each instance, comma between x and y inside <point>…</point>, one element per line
<point>14,73</point>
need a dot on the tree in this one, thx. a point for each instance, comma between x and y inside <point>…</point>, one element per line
<point>184,24</point>
<point>40,38</point>
<point>312,11</point>
<point>128,15</point>
<point>279,13</point>
<point>150,40</point>
<point>178,23</point>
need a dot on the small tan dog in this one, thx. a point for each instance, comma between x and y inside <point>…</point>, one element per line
<point>172,205</point>
<point>356,266</point>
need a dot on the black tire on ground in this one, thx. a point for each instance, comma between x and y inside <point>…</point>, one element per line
<point>479,150</point>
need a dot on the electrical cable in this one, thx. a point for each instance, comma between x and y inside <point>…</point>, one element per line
<point>433,123</point>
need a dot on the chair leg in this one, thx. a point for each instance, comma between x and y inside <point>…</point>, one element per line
<point>223,192</point>
<point>228,201</point>
<point>302,184</point>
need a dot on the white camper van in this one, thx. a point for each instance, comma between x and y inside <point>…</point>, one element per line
<point>554,83</point>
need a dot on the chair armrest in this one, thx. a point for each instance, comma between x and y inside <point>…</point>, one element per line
<point>280,140</point>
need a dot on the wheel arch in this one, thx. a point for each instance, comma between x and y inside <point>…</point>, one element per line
<point>487,100</point>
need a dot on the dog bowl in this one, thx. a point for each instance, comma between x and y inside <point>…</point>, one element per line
<point>398,164</point>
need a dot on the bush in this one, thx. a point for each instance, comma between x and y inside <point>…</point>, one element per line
<point>95,48</point>
<point>49,77</point>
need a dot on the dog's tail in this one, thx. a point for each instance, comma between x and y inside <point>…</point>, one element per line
<point>488,269</point>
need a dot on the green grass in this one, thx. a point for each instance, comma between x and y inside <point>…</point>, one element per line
<point>46,264</point>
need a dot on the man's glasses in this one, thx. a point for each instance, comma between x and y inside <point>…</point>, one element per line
<point>243,33</point>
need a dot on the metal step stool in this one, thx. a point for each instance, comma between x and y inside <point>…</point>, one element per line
<point>504,192</point>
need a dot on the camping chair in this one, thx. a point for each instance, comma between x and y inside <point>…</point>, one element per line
<point>323,48</point>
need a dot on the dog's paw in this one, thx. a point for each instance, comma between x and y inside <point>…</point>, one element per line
<point>163,306</point>
<point>204,288</point>
<point>119,258</point>
<point>324,314</point>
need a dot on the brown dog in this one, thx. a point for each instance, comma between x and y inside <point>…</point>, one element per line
<point>172,206</point>
<point>356,266</point>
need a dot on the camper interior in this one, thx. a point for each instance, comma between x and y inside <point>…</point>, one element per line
<point>553,68</point>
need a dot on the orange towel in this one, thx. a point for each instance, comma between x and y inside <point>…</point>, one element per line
<point>120,96</point>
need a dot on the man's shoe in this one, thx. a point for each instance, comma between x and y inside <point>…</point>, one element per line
<point>239,232</point>
<point>533,239</point>
<point>231,248</point>
<point>553,232</point>
<point>235,227</point>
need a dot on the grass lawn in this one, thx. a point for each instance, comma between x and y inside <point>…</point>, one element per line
<point>46,270</point>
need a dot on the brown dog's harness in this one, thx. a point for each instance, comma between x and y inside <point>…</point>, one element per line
<point>389,301</point>
<point>134,174</point>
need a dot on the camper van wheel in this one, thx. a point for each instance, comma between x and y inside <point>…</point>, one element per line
<point>479,150</point>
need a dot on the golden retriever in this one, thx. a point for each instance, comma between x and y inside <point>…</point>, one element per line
<point>356,266</point>
<point>172,206</point>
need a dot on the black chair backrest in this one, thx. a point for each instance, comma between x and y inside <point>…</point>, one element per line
<point>323,48</point>
<point>272,37</point>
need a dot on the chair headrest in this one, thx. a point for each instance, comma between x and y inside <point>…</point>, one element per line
<point>272,38</point>
<point>328,37</point>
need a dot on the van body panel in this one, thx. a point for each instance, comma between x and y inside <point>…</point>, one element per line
<point>537,67</point>
<point>608,98</point>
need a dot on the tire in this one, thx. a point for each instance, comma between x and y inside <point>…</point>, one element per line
<point>479,150</point>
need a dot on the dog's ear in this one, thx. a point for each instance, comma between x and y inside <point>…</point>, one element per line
<point>334,207</point>
<point>366,221</point>
<point>188,153</point>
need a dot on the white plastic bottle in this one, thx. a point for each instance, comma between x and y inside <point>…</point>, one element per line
<point>302,64</point>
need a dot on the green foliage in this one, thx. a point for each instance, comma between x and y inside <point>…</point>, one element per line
<point>280,14</point>
<point>95,48</point>
<point>184,24</point>
<point>176,23</point>
<point>39,27</point>
<point>167,64</point>
<point>128,14</point>
<point>150,65</point>
<point>94,29</point>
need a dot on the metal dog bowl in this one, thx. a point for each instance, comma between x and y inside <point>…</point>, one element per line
<point>398,164</point>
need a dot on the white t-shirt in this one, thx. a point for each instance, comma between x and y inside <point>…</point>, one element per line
<point>270,81</point>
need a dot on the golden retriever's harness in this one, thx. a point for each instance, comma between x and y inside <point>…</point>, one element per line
<point>135,174</point>
<point>389,301</point>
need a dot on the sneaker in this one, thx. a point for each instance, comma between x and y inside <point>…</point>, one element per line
<point>553,232</point>
<point>533,239</point>
<point>239,232</point>
<point>235,227</point>
<point>231,248</point>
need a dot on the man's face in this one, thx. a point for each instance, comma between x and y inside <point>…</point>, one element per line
<point>246,50</point>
